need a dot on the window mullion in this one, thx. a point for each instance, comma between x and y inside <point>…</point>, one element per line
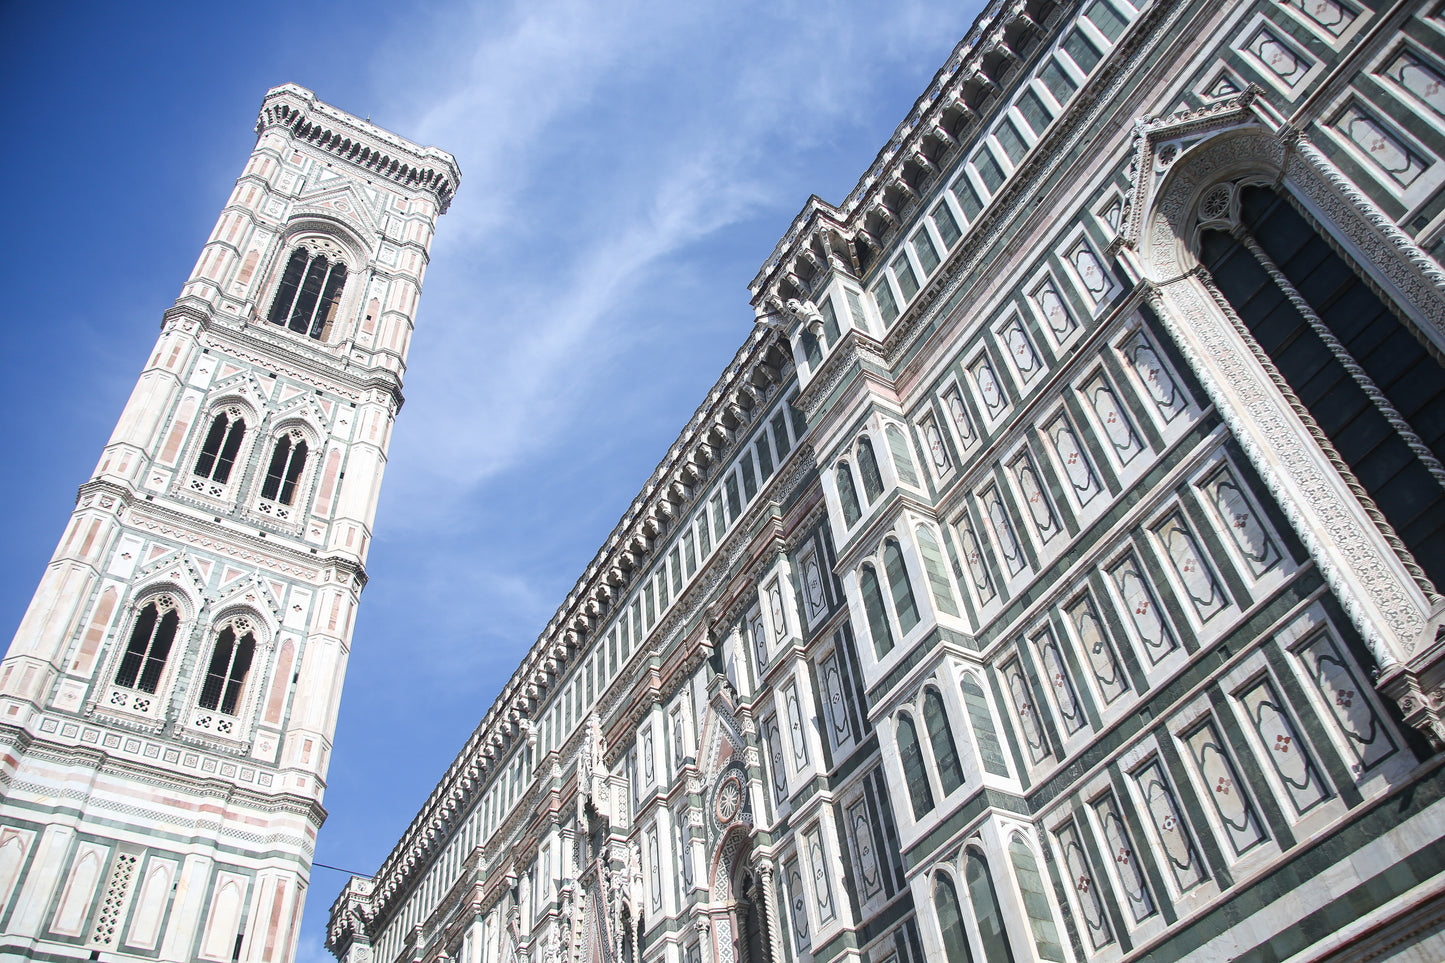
<point>1342,355</point>
<point>296,295</point>
<point>320,298</point>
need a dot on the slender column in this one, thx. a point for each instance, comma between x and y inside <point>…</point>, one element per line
<point>770,901</point>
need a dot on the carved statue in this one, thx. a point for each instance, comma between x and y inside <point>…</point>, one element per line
<point>807,313</point>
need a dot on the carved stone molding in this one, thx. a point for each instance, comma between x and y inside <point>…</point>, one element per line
<point>1336,527</point>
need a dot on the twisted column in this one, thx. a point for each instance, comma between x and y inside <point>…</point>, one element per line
<point>1343,356</point>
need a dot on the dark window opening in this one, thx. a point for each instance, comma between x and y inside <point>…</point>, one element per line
<point>223,441</point>
<point>150,644</point>
<point>914,774</point>
<point>230,661</point>
<point>1379,456</point>
<point>287,463</point>
<point>308,295</point>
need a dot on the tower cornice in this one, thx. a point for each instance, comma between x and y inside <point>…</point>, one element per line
<point>378,152</point>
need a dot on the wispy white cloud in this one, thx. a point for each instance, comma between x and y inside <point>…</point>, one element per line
<point>600,143</point>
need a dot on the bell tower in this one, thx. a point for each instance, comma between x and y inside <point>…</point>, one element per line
<point>168,702</point>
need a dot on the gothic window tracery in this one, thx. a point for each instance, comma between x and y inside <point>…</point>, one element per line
<point>223,442</point>
<point>288,460</point>
<point>150,643</point>
<point>309,294</point>
<point>230,664</point>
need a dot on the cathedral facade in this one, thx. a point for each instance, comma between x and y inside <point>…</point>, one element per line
<point>1055,573</point>
<point>168,702</point>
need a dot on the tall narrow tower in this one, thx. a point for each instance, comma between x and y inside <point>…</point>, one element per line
<point>168,702</point>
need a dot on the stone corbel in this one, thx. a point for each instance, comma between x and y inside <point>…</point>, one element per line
<point>1005,50</point>
<point>982,79</point>
<point>885,213</point>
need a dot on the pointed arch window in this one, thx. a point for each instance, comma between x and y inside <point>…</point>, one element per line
<point>940,737</point>
<point>310,291</point>
<point>873,606</point>
<point>150,644</point>
<point>950,921</point>
<point>868,468</point>
<point>911,755</point>
<point>937,573</point>
<point>985,736</point>
<point>230,664</point>
<point>903,603</point>
<point>223,442</point>
<point>288,460</point>
<point>1036,904</point>
<point>901,458</point>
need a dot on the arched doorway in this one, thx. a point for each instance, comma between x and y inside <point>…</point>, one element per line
<point>739,904</point>
<point>1372,388</point>
<point>1278,282</point>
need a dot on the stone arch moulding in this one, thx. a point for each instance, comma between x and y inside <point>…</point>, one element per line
<point>344,233</point>
<point>1177,161</point>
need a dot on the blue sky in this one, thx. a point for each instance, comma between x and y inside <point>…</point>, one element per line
<point>627,166</point>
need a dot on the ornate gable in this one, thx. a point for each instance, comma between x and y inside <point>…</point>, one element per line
<point>178,570</point>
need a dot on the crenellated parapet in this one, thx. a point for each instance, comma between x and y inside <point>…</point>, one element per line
<point>297,111</point>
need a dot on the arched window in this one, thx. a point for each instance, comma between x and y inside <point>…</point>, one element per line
<point>985,736</point>
<point>847,493</point>
<point>873,605</point>
<point>903,604</point>
<point>223,441</point>
<point>868,468</point>
<point>230,662</point>
<point>150,644</point>
<point>1368,383</point>
<point>1036,904</point>
<point>287,462</point>
<point>937,573</point>
<point>911,755</point>
<point>950,921</point>
<point>307,298</point>
<point>986,909</point>
<point>945,754</point>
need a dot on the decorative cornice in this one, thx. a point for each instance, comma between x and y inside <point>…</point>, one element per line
<point>1060,143</point>
<point>249,340</point>
<point>893,185</point>
<point>360,143</point>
